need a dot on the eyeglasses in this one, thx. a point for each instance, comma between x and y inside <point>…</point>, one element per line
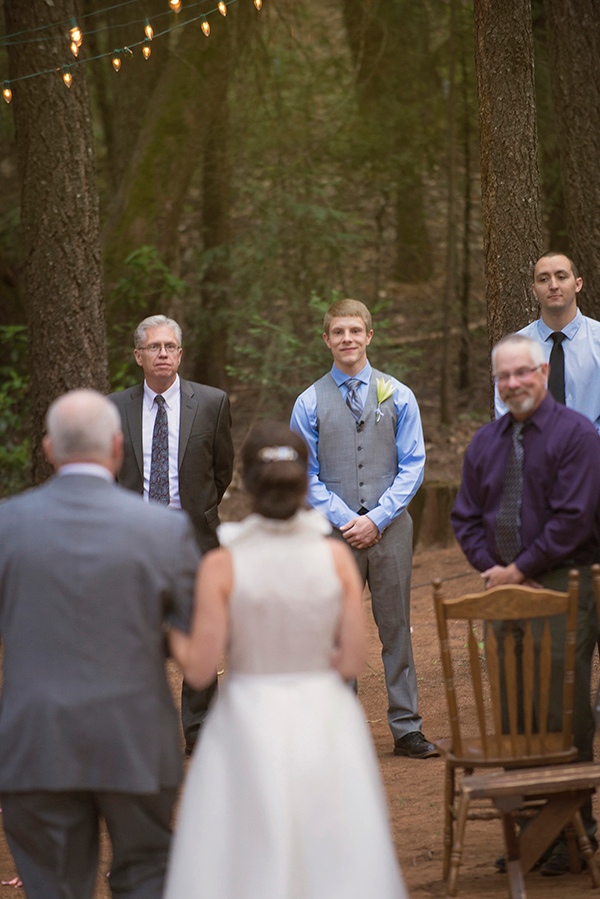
<point>155,348</point>
<point>519,374</point>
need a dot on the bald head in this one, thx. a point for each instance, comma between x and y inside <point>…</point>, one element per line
<point>83,426</point>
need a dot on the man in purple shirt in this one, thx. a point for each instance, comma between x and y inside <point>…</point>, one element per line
<point>559,512</point>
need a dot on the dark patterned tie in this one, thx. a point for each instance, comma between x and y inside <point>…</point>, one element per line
<point>556,378</point>
<point>508,520</point>
<point>158,491</point>
<point>352,399</point>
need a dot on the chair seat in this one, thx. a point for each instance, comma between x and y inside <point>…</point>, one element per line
<point>518,751</point>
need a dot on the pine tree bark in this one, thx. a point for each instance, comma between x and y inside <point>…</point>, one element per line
<point>509,161</point>
<point>61,269</point>
<point>574,49</point>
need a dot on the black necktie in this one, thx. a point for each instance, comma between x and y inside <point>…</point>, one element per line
<point>352,399</point>
<point>508,520</point>
<point>556,378</point>
<point>158,491</point>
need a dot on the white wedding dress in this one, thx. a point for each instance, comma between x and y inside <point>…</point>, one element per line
<point>283,798</point>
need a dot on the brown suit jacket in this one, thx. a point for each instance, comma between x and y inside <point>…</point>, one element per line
<point>205,452</point>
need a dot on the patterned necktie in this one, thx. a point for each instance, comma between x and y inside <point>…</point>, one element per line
<point>352,398</point>
<point>158,491</point>
<point>556,378</point>
<point>508,520</point>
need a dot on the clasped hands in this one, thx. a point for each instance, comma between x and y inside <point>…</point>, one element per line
<point>498,575</point>
<point>361,532</point>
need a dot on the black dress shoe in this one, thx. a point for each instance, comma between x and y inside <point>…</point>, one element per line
<point>415,746</point>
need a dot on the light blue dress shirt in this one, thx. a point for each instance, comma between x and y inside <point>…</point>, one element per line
<point>410,448</point>
<point>582,363</point>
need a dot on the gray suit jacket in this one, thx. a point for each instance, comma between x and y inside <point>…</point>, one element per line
<point>205,452</point>
<point>89,573</point>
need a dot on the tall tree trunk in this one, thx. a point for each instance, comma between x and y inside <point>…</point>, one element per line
<point>396,83</point>
<point>450,282</point>
<point>509,162</point>
<point>212,336</point>
<point>61,270</point>
<point>573,30</point>
<point>148,206</point>
<point>464,353</point>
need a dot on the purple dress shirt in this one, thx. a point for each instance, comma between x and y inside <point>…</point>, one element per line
<point>560,510</point>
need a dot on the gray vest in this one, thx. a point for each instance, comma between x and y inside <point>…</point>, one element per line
<point>356,463</point>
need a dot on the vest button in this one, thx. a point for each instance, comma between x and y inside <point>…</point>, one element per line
<point>359,448</point>
<point>360,465</point>
<point>361,485</point>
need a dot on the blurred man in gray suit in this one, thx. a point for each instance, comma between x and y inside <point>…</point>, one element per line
<point>197,453</point>
<point>91,580</point>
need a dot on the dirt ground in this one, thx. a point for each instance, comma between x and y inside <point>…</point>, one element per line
<point>414,788</point>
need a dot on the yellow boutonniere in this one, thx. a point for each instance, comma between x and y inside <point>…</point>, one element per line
<point>385,389</point>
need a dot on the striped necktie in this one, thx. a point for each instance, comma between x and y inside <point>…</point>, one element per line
<point>352,398</point>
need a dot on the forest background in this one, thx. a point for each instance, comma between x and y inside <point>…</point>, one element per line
<point>416,156</point>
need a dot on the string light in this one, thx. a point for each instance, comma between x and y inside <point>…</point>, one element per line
<point>75,34</point>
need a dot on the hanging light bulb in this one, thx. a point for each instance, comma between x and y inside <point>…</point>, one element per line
<point>205,26</point>
<point>6,92</point>
<point>258,4</point>
<point>116,61</point>
<point>75,49</point>
<point>67,77</point>
<point>175,5</point>
<point>148,30</point>
<point>146,49</point>
<point>76,33</point>
<point>222,8</point>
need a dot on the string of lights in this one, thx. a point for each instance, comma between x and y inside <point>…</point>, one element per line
<point>75,36</point>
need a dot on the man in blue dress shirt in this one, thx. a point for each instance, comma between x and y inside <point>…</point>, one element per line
<point>366,462</point>
<point>556,283</point>
<point>559,512</point>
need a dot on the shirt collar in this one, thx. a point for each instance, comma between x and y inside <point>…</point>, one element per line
<point>539,418</point>
<point>341,377</point>
<point>88,468</point>
<point>569,330</point>
<point>170,394</point>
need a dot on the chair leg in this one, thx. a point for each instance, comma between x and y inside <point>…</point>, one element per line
<point>456,854</point>
<point>586,848</point>
<point>516,884</point>
<point>572,850</point>
<point>449,781</point>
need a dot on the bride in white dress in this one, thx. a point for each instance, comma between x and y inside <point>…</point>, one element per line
<point>283,797</point>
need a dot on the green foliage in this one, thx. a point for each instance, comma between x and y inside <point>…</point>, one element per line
<point>14,386</point>
<point>148,287</point>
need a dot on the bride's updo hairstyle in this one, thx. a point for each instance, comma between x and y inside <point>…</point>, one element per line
<point>274,470</point>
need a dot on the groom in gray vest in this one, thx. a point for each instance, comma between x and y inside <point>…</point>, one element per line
<point>366,461</point>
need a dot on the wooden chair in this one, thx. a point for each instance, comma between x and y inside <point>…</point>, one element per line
<point>506,679</point>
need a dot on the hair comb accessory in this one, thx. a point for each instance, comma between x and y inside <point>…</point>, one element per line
<point>277,454</point>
